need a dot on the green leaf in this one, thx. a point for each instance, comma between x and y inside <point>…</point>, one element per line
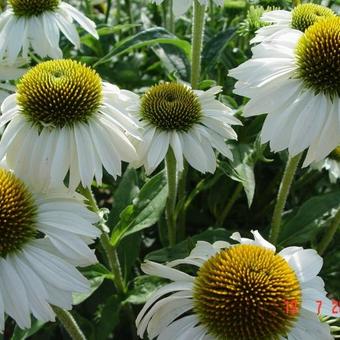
<point>21,334</point>
<point>301,225</point>
<point>145,210</point>
<point>128,251</point>
<point>173,59</point>
<point>149,37</point>
<point>96,274</point>
<point>95,271</point>
<point>183,248</point>
<point>126,191</point>
<point>95,283</point>
<point>144,286</point>
<point>241,169</point>
<point>214,48</point>
<point>109,317</point>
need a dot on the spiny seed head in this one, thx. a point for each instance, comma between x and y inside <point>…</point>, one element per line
<point>306,15</point>
<point>59,92</point>
<point>18,214</point>
<point>335,154</point>
<point>318,57</point>
<point>171,106</point>
<point>29,8</point>
<point>242,292</point>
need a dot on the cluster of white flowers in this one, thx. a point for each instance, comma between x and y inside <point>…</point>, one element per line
<point>90,126</point>
<point>293,76</point>
<point>48,150</point>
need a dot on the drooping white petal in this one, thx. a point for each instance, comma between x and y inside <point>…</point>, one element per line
<point>87,24</point>
<point>153,268</point>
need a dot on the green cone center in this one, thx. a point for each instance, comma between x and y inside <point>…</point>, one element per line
<point>59,93</point>
<point>305,15</point>
<point>318,57</point>
<point>18,213</point>
<point>28,8</point>
<point>242,293</point>
<point>171,106</point>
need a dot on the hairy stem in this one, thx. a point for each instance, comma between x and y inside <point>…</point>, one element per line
<point>196,43</point>
<point>69,323</point>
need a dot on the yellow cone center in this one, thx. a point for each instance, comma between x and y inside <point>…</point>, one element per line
<point>242,293</point>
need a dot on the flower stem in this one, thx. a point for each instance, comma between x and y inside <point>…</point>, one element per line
<point>112,257</point>
<point>171,23</point>
<point>196,43</point>
<point>230,204</point>
<point>196,50</point>
<point>171,173</point>
<point>114,264</point>
<point>110,251</point>
<point>118,10</point>
<point>282,196</point>
<point>69,323</point>
<point>108,8</point>
<point>331,231</point>
<point>182,183</point>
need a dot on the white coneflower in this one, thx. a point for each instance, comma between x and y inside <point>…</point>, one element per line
<point>37,24</point>
<point>244,291</point>
<point>179,7</point>
<point>300,18</point>
<point>331,164</point>
<point>42,238</point>
<point>64,118</point>
<point>295,79</point>
<point>9,72</point>
<point>191,122</point>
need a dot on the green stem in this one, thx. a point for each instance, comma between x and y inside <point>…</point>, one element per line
<point>296,3</point>
<point>230,204</point>
<point>331,231</point>
<point>112,257</point>
<point>182,183</point>
<point>171,23</point>
<point>129,10</point>
<point>196,50</point>
<point>108,9</point>
<point>113,260</point>
<point>196,43</point>
<point>69,323</point>
<point>282,196</point>
<point>118,10</point>
<point>110,251</point>
<point>171,173</point>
